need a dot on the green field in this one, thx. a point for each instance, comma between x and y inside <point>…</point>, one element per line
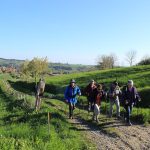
<point>139,74</point>
<point>22,128</point>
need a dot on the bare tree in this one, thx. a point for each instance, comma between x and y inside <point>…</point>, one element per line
<point>131,57</point>
<point>107,61</point>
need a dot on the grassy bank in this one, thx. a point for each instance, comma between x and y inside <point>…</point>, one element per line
<point>21,128</point>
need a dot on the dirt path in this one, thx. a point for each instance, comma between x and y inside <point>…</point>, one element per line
<point>136,137</point>
<point>130,137</point>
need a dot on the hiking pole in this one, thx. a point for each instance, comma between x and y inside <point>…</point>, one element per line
<point>79,106</point>
<point>66,109</point>
<point>137,112</point>
<point>106,109</point>
<point>82,105</point>
<point>149,110</point>
<point>138,107</point>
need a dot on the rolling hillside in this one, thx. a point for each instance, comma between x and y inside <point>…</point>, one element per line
<point>56,68</point>
<point>23,128</point>
<point>139,74</point>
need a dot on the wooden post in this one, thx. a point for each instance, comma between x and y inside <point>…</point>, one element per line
<point>49,124</point>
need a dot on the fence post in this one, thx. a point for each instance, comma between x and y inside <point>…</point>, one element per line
<point>49,123</point>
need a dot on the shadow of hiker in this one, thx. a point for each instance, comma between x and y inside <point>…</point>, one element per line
<point>23,86</point>
<point>29,87</point>
<point>79,129</point>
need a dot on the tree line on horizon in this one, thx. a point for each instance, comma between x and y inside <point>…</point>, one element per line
<point>38,67</point>
<point>110,61</point>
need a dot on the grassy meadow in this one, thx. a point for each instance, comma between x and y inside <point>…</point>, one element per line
<point>139,74</point>
<point>22,128</point>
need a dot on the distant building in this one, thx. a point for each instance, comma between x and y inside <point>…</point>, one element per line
<point>9,69</point>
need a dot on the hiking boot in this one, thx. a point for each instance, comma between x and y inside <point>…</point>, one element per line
<point>70,117</point>
<point>110,116</point>
<point>125,119</point>
<point>97,120</point>
<point>129,124</point>
<point>93,118</point>
<point>118,117</point>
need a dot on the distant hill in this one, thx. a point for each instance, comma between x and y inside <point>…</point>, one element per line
<point>9,62</point>
<point>55,67</point>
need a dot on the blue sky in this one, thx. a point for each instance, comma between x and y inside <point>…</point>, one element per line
<point>74,31</point>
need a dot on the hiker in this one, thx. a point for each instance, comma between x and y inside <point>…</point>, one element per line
<point>114,94</point>
<point>99,94</point>
<point>71,93</point>
<point>89,91</point>
<point>130,98</point>
<point>39,93</point>
<point>105,91</point>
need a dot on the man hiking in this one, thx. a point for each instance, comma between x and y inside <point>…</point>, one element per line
<point>39,93</point>
<point>89,91</point>
<point>71,93</point>
<point>130,98</point>
<point>114,93</point>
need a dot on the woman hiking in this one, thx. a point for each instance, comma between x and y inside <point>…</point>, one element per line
<point>130,98</point>
<point>99,94</point>
<point>114,94</point>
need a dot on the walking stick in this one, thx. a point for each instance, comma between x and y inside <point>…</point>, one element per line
<point>137,112</point>
<point>149,110</point>
<point>79,107</point>
<point>106,108</point>
<point>138,107</point>
<point>66,109</point>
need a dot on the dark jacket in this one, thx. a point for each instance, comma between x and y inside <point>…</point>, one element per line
<point>130,96</point>
<point>90,92</point>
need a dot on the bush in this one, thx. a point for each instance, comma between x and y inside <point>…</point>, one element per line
<point>145,61</point>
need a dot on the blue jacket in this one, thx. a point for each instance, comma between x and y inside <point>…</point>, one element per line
<point>71,93</point>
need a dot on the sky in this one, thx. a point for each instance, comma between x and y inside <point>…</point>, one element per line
<point>74,31</point>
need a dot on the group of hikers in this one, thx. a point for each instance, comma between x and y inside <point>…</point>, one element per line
<point>96,93</point>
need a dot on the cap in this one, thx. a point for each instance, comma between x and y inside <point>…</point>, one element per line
<point>99,86</point>
<point>92,81</point>
<point>130,82</point>
<point>72,81</point>
<point>115,83</point>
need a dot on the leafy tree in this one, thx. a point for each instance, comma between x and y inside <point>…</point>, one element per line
<point>24,71</point>
<point>35,68</point>
<point>107,61</point>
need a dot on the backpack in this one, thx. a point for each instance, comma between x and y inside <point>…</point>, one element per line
<point>41,87</point>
